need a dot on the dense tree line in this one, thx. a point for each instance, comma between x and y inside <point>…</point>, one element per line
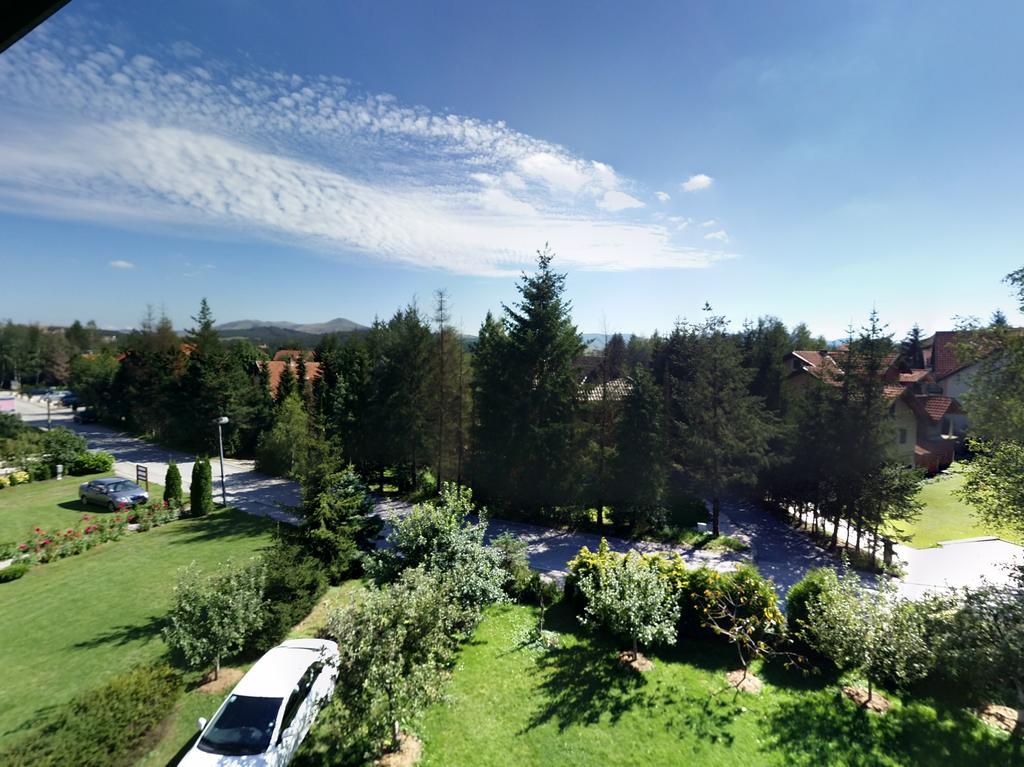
<point>530,417</point>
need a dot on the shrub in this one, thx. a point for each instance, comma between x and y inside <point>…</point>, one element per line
<point>513,560</point>
<point>295,582</point>
<point>201,492</point>
<point>91,463</point>
<point>103,726</point>
<point>62,446</point>
<point>18,478</point>
<point>40,472</point>
<point>802,593</point>
<point>215,617</point>
<point>440,537</point>
<point>632,600</point>
<point>172,485</point>
<point>4,481</point>
<point>13,572</point>
<point>871,632</point>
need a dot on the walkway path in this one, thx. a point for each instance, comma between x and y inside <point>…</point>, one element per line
<point>247,489</point>
<point>550,549</point>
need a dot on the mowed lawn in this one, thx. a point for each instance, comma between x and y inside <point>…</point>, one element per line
<point>945,517</point>
<point>69,625</point>
<point>510,705</point>
<point>50,504</point>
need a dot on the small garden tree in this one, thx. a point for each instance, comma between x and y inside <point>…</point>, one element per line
<point>871,632</point>
<point>172,485</point>
<point>396,644</point>
<point>441,537</point>
<point>201,492</point>
<point>62,446</point>
<point>212,618</point>
<point>631,600</point>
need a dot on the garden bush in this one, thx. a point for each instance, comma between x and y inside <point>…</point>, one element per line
<point>513,560</point>
<point>13,572</point>
<point>18,478</point>
<point>802,593</point>
<point>100,727</point>
<point>62,446</point>
<point>48,545</point>
<point>172,485</point>
<point>201,492</point>
<point>40,472</point>
<point>91,463</point>
<point>337,522</point>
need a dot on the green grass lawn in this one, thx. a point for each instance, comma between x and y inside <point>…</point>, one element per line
<point>49,504</point>
<point>576,706</point>
<point>68,626</point>
<point>945,517</point>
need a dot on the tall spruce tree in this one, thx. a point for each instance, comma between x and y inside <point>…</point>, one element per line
<point>722,432</point>
<point>912,350</point>
<point>638,467</point>
<point>527,399</point>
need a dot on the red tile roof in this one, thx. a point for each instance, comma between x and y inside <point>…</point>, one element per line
<point>276,367</point>
<point>291,354</point>
<point>943,357</point>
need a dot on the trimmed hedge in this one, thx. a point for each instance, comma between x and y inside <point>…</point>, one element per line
<point>13,572</point>
<point>91,463</point>
<point>103,726</point>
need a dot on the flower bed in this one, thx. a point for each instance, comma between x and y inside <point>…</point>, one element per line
<point>47,545</point>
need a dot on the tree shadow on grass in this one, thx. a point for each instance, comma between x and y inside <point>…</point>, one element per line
<point>221,525</point>
<point>122,635</point>
<point>824,728</point>
<point>583,683</point>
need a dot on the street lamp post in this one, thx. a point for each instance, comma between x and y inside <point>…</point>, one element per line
<point>220,440</point>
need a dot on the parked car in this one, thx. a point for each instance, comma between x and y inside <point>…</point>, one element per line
<point>268,713</point>
<point>88,415</point>
<point>112,492</point>
<point>69,400</point>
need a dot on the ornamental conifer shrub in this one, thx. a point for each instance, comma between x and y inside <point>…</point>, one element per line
<point>172,485</point>
<point>201,492</point>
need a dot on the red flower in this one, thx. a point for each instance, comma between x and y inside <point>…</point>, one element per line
<point>22,546</point>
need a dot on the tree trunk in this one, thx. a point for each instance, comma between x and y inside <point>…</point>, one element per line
<point>396,735</point>
<point>216,668</point>
<point>636,651</point>
<point>716,507</point>
<point>835,533</point>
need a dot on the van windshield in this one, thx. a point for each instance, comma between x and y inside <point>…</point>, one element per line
<point>244,726</point>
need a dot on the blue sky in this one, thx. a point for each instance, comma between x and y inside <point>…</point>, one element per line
<point>807,160</point>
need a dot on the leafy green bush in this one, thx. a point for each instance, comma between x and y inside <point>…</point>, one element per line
<point>40,472</point>
<point>513,560</point>
<point>13,572</point>
<point>91,463</point>
<point>172,485</point>
<point>62,446</point>
<point>802,593</point>
<point>100,727</point>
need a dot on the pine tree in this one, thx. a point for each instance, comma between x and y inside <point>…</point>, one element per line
<point>998,319</point>
<point>201,491</point>
<point>172,485</point>
<point>286,383</point>
<point>722,432</point>
<point>530,410</point>
<point>912,350</point>
<point>638,469</point>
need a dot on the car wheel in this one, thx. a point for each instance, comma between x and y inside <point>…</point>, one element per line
<point>112,506</point>
<point>81,499</point>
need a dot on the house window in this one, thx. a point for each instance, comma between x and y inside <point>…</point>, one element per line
<point>903,436</point>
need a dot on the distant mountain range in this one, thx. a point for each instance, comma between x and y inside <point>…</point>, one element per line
<point>337,325</point>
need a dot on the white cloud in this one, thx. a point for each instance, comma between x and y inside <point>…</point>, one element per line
<point>663,196</point>
<point>121,264</point>
<point>100,134</point>
<point>709,223</point>
<point>719,235</point>
<point>680,222</point>
<point>697,182</point>
<point>615,201</point>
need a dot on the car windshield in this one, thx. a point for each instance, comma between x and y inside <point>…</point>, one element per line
<point>120,487</point>
<point>244,726</point>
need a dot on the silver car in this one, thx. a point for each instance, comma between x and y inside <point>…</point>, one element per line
<point>112,492</point>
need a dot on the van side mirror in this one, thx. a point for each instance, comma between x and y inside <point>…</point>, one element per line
<point>202,723</point>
